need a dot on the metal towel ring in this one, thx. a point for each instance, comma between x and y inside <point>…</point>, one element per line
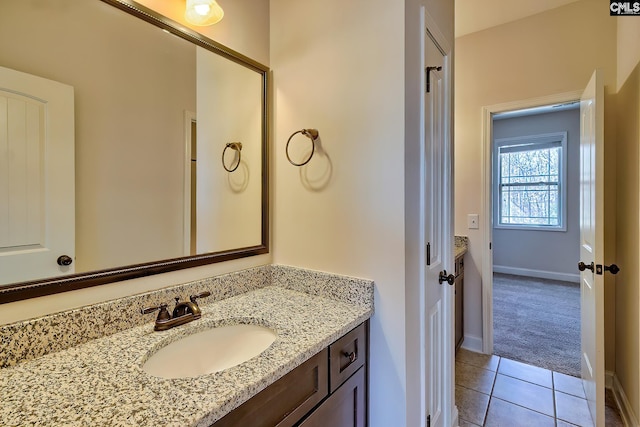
<point>312,134</point>
<point>234,146</point>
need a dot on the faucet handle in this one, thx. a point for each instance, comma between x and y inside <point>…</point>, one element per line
<point>193,298</point>
<point>162,315</point>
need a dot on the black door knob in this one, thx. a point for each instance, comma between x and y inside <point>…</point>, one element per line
<point>64,260</point>
<point>442,277</point>
<point>582,266</point>
<point>613,269</point>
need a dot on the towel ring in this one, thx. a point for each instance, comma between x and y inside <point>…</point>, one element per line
<point>312,134</point>
<point>234,146</point>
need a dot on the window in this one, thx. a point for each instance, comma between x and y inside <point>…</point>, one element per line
<point>529,176</point>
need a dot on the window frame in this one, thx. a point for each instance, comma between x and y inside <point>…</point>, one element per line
<point>533,140</point>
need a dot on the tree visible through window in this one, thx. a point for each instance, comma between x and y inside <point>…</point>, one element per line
<point>530,182</point>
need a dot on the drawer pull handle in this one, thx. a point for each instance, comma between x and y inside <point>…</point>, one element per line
<point>351,356</point>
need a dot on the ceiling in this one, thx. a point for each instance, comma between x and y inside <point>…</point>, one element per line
<point>476,15</point>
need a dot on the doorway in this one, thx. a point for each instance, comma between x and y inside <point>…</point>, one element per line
<point>530,107</point>
<point>535,212</point>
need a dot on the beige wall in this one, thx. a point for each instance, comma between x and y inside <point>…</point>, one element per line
<point>250,39</point>
<point>627,361</point>
<point>549,53</point>
<point>340,70</point>
<point>345,72</point>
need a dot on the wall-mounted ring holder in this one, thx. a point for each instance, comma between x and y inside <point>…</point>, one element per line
<point>312,134</point>
<point>237,146</point>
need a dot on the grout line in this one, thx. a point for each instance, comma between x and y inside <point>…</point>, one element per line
<point>495,378</point>
<point>553,393</point>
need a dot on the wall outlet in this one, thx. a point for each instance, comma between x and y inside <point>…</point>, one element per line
<point>473,221</point>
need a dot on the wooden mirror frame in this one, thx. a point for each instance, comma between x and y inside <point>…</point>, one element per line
<point>32,289</point>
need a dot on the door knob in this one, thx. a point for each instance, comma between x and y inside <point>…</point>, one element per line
<point>613,269</point>
<point>582,266</point>
<point>64,260</point>
<point>442,277</point>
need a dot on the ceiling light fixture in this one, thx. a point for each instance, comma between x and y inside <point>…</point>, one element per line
<point>203,12</point>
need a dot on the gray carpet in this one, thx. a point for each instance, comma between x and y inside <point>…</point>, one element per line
<point>537,321</point>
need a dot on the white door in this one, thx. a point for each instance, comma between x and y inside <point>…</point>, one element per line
<point>592,244</point>
<point>37,179</point>
<point>438,340</point>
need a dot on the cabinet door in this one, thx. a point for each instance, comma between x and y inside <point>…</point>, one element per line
<point>459,307</point>
<point>344,408</point>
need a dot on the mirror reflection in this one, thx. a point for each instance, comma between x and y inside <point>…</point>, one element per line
<point>150,117</point>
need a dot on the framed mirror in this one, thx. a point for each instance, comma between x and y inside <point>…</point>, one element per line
<point>155,161</point>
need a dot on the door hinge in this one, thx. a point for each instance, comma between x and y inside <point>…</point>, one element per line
<point>428,253</point>
<point>428,75</point>
<point>428,420</point>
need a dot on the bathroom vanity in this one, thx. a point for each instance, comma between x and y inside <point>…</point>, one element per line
<point>328,389</point>
<point>314,371</point>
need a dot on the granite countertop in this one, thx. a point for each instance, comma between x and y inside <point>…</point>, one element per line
<point>461,246</point>
<point>101,382</point>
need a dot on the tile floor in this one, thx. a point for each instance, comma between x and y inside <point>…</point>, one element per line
<point>494,391</point>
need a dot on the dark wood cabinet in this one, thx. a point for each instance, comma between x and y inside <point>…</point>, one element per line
<point>344,408</point>
<point>329,389</point>
<point>459,304</point>
<point>284,402</point>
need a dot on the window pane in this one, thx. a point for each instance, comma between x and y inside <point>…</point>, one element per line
<point>530,187</point>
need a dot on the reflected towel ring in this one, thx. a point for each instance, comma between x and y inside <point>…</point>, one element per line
<point>234,146</point>
<point>312,134</point>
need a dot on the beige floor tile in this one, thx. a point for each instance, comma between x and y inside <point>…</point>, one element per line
<point>475,378</point>
<point>523,393</point>
<point>505,414</point>
<point>568,384</point>
<point>573,409</point>
<point>522,371</point>
<point>485,361</point>
<point>472,405</point>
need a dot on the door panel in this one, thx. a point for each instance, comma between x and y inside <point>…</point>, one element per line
<point>36,170</point>
<point>436,224</point>
<point>592,244</point>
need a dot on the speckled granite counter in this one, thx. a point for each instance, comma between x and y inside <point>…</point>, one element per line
<point>101,383</point>
<point>461,245</point>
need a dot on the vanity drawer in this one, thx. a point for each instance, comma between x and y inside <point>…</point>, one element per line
<point>346,356</point>
<point>287,400</point>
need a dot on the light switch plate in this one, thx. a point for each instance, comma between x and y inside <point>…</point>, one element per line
<point>473,221</point>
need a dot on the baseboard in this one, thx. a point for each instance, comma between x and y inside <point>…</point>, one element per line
<point>541,274</point>
<point>472,343</point>
<point>608,379</point>
<point>626,412</point>
<point>455,421</point>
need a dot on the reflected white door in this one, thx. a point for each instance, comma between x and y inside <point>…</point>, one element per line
<point>37,179</point>
<point>438,342</point>
<point>592,244</point>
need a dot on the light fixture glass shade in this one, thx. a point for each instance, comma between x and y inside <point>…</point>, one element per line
<point>203,12</point>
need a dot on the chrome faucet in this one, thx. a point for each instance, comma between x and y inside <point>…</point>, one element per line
<point>184,312</point>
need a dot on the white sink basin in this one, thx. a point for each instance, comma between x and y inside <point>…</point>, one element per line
<point>209,351</point>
